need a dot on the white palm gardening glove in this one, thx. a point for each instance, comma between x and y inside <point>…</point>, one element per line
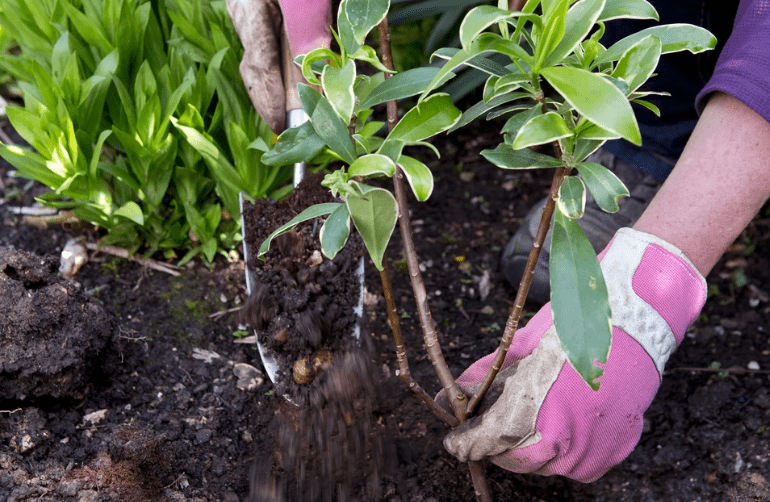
<point>258,24</point>
<point>547,419</point>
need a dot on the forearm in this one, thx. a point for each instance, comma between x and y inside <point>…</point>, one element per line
<point>720,182</point>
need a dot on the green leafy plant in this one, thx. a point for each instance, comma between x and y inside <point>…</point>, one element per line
<point>137,119</point>
<point>559,86</point>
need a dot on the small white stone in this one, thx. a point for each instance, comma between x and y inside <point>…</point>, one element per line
<point>753,365</point>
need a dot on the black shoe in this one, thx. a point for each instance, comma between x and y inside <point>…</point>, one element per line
<point>598,226</point>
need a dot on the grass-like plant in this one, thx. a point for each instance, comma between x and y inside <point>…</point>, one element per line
<point>138,119</point>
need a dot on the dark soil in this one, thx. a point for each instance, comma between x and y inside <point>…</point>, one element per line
<point>176,410</point>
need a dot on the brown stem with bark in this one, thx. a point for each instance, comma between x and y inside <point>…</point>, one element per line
<point>512,323</point>
<point>456,397</point>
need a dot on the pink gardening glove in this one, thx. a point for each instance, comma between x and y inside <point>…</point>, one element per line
<point>547,420</point>
<point>258,23</point>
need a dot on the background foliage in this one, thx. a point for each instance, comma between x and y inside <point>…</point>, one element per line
<point>138,119</point>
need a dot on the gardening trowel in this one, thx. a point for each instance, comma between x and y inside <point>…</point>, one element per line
<point>295,116</point>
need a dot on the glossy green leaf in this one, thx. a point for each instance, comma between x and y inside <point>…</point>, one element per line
<point>391,148</point>
<point>298,144</point>
<point>673,37</point>
<point>482,107</point>
<point>517,121</point>
<point>605,187</point>
<point>365,15</point>
<point>333,130</point>
<point>132,211</point>
<point>579,300</point>
<point>313,56</point>
<point>596,99</point>
<point>337,84</point>
<point>309,98</point>
<point>345,28</point>
<point>506,157</point>
<point>628,9</point>
<point>654,109</point>
<point>541,129</point>
<point>335,231</point>
<point>372,164</point>
<point>428,118</point>
<point>308,214</point>
<point>374,215</point>
<point>584,148</point>
<point>401,85</point>
<point>480,63</point>
<point>368,54</point>
<point>552,34</point>
<point>593,131</point>
<point>572,197</point>
<point>479,19</point>
<point>580,20</point>
<point>638,63</point>
<point>418,175</point>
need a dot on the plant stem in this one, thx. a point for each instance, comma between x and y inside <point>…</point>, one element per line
<point>456,397</point>
<point>512,323</point>
<point>403,362</point>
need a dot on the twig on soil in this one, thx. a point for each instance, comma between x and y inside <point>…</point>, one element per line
<point>43,221</point>
<point>216,315</point>
<point>168,268</point>
<point>10,412</point>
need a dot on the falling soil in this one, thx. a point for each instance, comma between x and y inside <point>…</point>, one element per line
<point>176,410</point>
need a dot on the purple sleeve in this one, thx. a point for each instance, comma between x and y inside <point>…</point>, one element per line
<point>743,68</point>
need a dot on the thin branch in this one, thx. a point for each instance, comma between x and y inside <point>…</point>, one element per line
<point>145,262</point>
<point>512,323</point>
<point>455,395</point>
<point>403,363</point>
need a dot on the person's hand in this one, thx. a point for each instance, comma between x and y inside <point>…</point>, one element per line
<point>258,23</point>
<point>547,419</point>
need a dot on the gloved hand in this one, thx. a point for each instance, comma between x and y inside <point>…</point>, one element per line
<point>258,24</point>
<point>547,420</point>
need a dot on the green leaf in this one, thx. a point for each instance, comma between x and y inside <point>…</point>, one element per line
<point>374,215</point>
<point>333,130</point>
<point>367,54</point>
<point>132,211</point>
<point>584,148</point>
<point>317,55</point>
<point>418,175</point>
<point>517,121</point>
<point>428,118</point>
<point>593,131</point>
<point>673,37</point>
<point>541,129</point>
<point>309,98</point>
<point>298,144</point>
<point>335,231</point>
<point>479,19</point>
<point>365,15</point>
<point>654,109</point>
<point>480,63</point>
<point>345,27</point>
<point>391,148</point>
<point>482,107</point>
<point>638,63</point>
<point>605,187</point>
<point>337,84</point>
<point>308,214</point>
<point>572,197</point>
<point>372,164</point>
<point>552,34</point>
<point>579,300</point>
<point>401,85</point>
<point>580,20</point>
<point>596,99</point>
<point>506,157</point>
<point>628,9</point>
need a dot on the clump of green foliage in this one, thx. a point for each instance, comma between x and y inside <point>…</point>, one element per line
<point>138,119</point>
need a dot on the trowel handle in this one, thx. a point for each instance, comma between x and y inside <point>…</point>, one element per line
<point>295,115</point>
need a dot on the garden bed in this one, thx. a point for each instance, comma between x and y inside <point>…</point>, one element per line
<point>172,413</point>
